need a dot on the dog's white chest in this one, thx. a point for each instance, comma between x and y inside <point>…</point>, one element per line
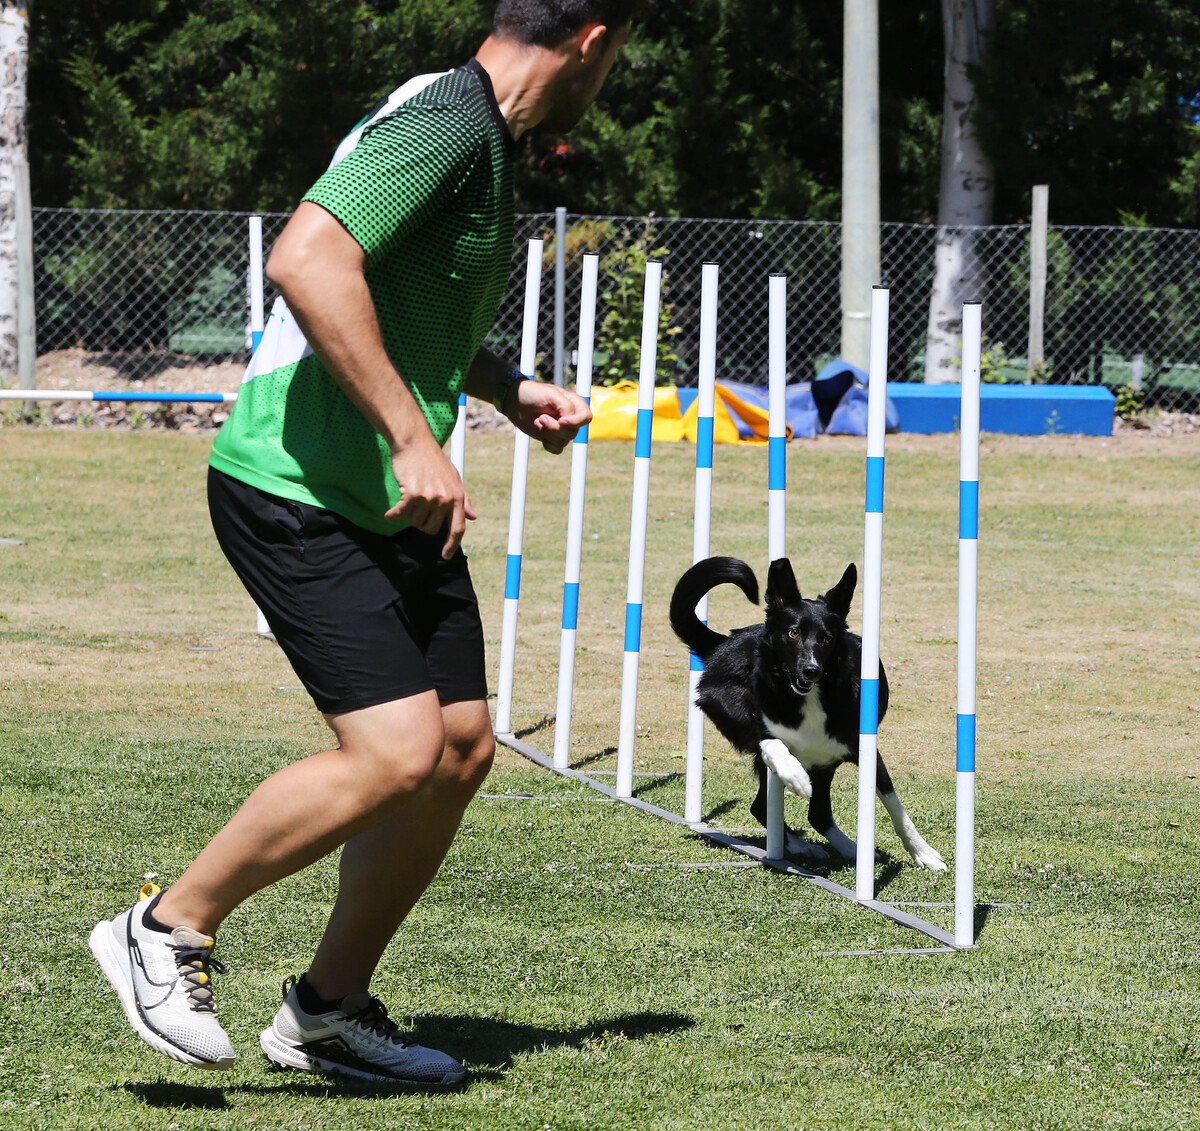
<point>808,742</point>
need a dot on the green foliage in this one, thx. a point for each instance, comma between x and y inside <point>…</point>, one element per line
<point>624,254</point>
<point>715,108</point>
<point>1095,98</point>
<point>1129,402</point>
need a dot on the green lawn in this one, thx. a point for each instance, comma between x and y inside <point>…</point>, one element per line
<point>584,979</point>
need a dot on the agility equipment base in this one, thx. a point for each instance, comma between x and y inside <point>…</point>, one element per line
<point>747,848</point>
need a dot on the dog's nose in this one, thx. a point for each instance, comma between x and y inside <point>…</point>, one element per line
<point>810,672</point>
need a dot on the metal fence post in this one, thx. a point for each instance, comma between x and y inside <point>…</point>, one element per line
<point>560,289</point>
<point>26,312</point>
<point>1038,236</point>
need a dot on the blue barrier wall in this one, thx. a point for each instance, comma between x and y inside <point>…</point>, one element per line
<point>1019,410</point>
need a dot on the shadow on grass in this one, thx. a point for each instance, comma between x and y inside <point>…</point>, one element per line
<point>488,1047</point>
<point>533,728</point>
<point>599,756</point>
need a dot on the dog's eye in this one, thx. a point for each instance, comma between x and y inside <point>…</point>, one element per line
<point>827,641</point>
<point>794,633</point>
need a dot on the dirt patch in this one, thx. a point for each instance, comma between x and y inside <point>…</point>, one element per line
<point>176,373</point>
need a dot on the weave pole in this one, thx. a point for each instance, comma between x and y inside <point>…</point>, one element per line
<point>261,627</point>
<point>648,365</point>
<point>256,282</point>
<point>579,460</point>
<point>693,806</point>
<point>516,506</point>
<point>776,496</point>
<point>968,594</point>
<point>458,438</point>
<point>872,585</point>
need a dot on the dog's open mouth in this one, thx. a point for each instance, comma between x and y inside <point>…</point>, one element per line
<point>800,687</point>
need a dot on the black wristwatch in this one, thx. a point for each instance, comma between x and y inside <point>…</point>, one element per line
<point>504,385</point>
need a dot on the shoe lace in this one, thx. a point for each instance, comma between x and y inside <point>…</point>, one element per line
<point>196,966</point>
<point>374,1018</point>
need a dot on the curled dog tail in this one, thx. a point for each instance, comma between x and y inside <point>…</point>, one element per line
<point>693,585</point>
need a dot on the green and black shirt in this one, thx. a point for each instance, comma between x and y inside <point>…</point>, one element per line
<point>425,187</point>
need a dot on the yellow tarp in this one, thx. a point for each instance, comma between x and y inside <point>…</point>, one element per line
<point>615,416</point>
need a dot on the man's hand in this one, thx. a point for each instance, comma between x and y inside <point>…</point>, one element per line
<point>549,414</point>
<point>431,492</point>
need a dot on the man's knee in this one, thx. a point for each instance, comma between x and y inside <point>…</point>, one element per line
<point>467,760</point>
<point>469,753</point>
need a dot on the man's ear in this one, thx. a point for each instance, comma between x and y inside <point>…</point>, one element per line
<point>591,41</point>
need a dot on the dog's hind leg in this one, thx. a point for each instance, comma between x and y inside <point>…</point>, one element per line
<point>923,854</point>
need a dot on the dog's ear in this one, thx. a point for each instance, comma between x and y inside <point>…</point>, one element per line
<point>782,590</point>
<point>839,597</point>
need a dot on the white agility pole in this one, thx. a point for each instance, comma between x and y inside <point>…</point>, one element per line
<point>968,578</point>
<point>872,584</point>
<point>776,496</point>
<point>637,528</point>
<point>579,460</point>
<point>458,438</point>
<point>256,282</point>
<point>256,332</point>
<point>693,808</point>
<point>516,506</point>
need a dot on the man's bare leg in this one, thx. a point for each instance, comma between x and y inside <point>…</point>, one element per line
<point>386,754</point>
<point>385,869</point>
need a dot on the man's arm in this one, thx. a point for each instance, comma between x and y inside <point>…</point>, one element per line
<point>319,269</point>
<point>549,414</point>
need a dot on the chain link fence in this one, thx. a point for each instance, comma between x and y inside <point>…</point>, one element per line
<point>141,292</point>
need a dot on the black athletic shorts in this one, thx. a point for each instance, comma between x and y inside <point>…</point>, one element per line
<point>364,618</point>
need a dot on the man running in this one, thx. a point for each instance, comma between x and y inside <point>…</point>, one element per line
<point>333,500</point>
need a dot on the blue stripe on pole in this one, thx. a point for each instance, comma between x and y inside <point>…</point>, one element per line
<point>645,426</point>
<point>581,437</point>
<point>868,707</point>
<point>704,442</point>
<point>255,338</point>
<point>968,508</point>
<point>512,577</point>
<point>776,463</point>
<point>462,400</point>
<point>697,664</point>
<point>570,604</point>
<point>874,484</point>
<point>633,628</point>
<point>209,398</point>
<point>966,743</point>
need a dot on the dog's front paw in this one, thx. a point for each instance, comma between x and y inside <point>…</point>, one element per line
<point>926,856</point>
<point>783,763</point>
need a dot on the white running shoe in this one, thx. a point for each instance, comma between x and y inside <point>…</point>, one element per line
<point>358,1039</point>
<point>164,983</point>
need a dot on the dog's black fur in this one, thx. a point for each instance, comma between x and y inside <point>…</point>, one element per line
<point>762,683</point>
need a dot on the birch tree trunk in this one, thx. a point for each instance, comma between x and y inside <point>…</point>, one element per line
<point>14,51</point>
<point>967,190</point>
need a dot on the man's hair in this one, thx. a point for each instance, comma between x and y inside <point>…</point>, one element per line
<point>546,23</point>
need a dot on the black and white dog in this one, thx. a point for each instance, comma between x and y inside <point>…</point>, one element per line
<point>787,692</point>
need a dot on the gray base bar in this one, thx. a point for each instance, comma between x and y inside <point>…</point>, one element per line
<point>738,844</point>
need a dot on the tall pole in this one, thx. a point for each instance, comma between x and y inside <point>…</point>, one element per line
<point>1038,241</point>
<point>860,176</point>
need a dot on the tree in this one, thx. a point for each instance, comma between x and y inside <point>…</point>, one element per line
<point>14,47</point>
<point>967,189</point>
<point>1099,100</point>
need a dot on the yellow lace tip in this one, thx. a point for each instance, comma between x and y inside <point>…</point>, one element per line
<point>202,977</point>
<point>210,944</point>
<point>149,891</point>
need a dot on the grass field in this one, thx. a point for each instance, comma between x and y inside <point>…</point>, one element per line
<point>585,981</point>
